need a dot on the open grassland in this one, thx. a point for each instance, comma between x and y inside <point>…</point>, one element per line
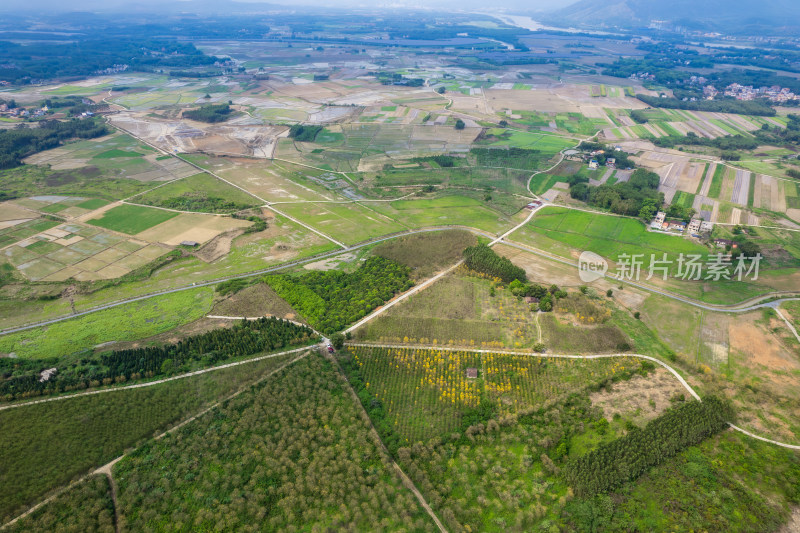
<point>348,223</point>
<point>123,323</point>
<point>201,192</point>
<point>426,253</point>
<point>46,445</point>
<point>606,235</point>
<point>87,181</point>
<point>461,310</point>
<point>445,211</point>
<point>85,508</point>
<point>330,474</point>
<point>132,219</point>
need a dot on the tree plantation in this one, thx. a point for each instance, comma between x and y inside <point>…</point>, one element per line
<point>293,454</point>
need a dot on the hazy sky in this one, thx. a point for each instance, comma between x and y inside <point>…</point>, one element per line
<point>519,6</point>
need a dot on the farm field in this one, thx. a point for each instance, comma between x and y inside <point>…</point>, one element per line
<point>131,219</point>
<point>84,253</point>
<point>567,233</point>
<point>88,431</point>
<point>200,192</point>
<point>126,322</point>
<point>322,168</point>
<point>115,156</point>
<point>496,421</point>
<point>282,241</point>
<point>350,223</point>
<point>444,211</point>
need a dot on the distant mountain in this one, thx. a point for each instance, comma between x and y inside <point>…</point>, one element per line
<point>739,16</point>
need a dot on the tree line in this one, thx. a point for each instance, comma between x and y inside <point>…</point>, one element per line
<point>19,143</point>
<point>331,300</point>
<point>481,258</point>
<point>21,378</point>
<point>84,57</point>
<point>626,458</point>
<point>741,107</point>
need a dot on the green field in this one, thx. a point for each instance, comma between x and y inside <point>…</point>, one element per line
<point>200,192</point>
<point>549,144</point>
<point>445,210</point>
<point>132,219</point>
<point>114,153</point>
<point>94,203</point>
<point>349,223</point>
<point>606,235</point>
<point>127,322</point>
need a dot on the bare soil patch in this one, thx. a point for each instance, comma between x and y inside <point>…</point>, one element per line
<point>218,247</point>
<point>760,347</point>
<point>253,301</point>
<point>641,398</point>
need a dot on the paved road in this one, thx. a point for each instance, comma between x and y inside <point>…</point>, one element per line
<point>674,372</point>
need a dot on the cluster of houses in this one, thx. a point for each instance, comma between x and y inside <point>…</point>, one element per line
<point>21,112</point>
<point>696,227</point>
<point>775,93</point>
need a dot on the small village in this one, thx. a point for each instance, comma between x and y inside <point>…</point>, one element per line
<point>696,227</point>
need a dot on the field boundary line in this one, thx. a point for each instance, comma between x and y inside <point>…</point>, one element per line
<point>674,372</point>
<point>334,241</point>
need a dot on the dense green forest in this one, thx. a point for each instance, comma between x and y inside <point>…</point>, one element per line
<point>626,198</point>
<point>333,299</point>
<point>209,113</point>
<point>302,133</point>
<point>293,454</point>
<point>85,508</point>
<point>483,259</point>
<point>18,143</point>
<point>19,378</point>
<point>628,457</point>
<point>42,60</point>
